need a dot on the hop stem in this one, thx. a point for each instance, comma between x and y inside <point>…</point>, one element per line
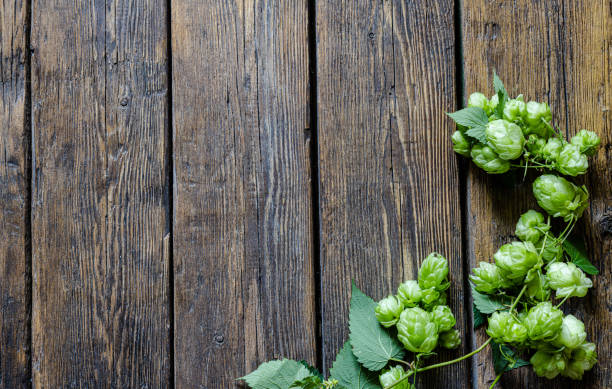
<point>496,380</point>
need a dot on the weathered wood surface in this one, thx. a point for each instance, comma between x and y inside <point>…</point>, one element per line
<point>14,162</point>
<point>99,214</point>
<point>389,185</point>
<point>557,52</point>
<point>243,254</point>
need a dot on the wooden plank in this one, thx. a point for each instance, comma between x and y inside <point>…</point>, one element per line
<point>14,262</point>
<point>99,206</point>
<point>244,279</point>
<point>554,52</point>
<point>389,185</point>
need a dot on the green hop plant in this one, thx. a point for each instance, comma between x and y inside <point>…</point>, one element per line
<point>430,297</point>
<point>514,109</point>
<point>460,144</point>
<point>417,331</point>
<point>388,311</point>
<point>572,333</point>
<point>535,145</point>
<point>552,148</point>
<point>516,259</point>
<point>433,273</point>
<point>535,115</point>
<point>443,317</point>
<point>571,161</point>
<point>409,293</point>
<point>485,158</point>
<point>543,322</point>
<point>479,100</point>
<point>394,374</point>
<point>505,328</point>
<point>580,360</point>
<point>506,138</point>
<point>548,364</point>
<point>587,142</point>
<point>568,280</point>
<point>537,288</point>
<point>531,226</point>
<point>559,197</point>
<point>450,339</point>
<point>553,251</point>
<point>487,278</point>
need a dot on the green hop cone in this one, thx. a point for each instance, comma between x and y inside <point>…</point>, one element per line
<point>535,115</point>
<point>559,197</point>
<point>547,364</point>
<point>580,360</point>
<point>572,333</point>
<point>409,293</point>
<point>535,145</point>
<point>460,144</point>
<point>552,149</point>
<point>388,311</point>
<point>531,226</point>
<point>537,288</point>
<point>514,109</point>
<point>479,100</point>
<point>493,104</point>
<point>568,280</point>
<point>485,158</point>
<point>506,138</point>
<point>587,142</point>
<point>553,250</point>
<point>433,273</point>
<point>450,339</point>
<point>430,297</point>
<point>516,259</point>
<point>487,278</point>
<point>443,317</point>
<point>571,161</point>
<point>392,375</point>
<point>417,331</point>
<point>505,328</point>
<point>543,322</point>
<point>441,300</point>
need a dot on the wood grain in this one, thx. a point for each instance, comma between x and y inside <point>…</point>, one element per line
<point>389,186</point>
<point>244,279</point>
<point>14,263</point>
<point>99,201</point>
<point>560,53</point>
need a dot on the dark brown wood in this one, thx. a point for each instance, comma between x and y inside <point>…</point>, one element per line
<point>389,181</point>
<point>555,52</point>
<point>99,201</point>
<point>244,279</point>
<point>14,263</point>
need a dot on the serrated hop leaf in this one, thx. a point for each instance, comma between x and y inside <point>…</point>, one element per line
<point>587,142</point>
<point>479,100</point>
<point>571,161</point>
<point>488,278</point>
<point>572,333</point>
<point>443,317</point>
<point>543,322</point>
<point>505,328</point>
<point>433,273</point>
<point>450,339</point>
<point>409,293</point>
<point>506,139</point>
<point>417,331</point>
<point>535,115</point>
<point>487,159</point>
<point>568,280</point>
<point>392,375</point>
<point>531,226</point>
<point>553,250</point>
<point>516,259</point>
<point>580,360</point>
<point>514,109</point>
<point>559,197</point>
<point>551,149</point>
<point>547,364</point>
<point>388,311</point>
<point>460,144</point>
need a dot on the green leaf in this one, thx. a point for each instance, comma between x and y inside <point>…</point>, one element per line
<point>498,85</point>
<point>312,382</point>
<point>479,318</point>
<point>502,94</point>
<point>277,374</point>
<point>505,359</point>
<point>312,370</point>
<point>577,253</point>
<point>350,374</point>
<point>372,344</point>
<point>478,133</point>
<point>485,303</point>
<point>470,117</point>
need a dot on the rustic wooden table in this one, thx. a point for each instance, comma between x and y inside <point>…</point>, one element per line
<point>188,187</point>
